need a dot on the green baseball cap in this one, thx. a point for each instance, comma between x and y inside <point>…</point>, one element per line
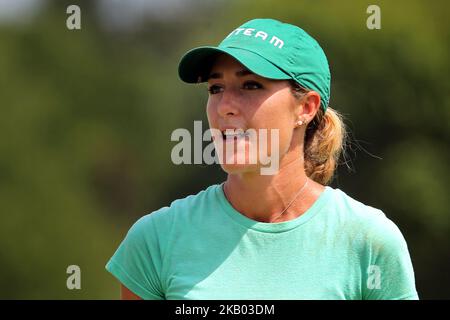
<point>268,48</point>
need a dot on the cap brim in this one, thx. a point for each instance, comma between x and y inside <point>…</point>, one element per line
<point>195,65</point>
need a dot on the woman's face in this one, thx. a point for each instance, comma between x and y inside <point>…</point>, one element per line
<point>239,99</point>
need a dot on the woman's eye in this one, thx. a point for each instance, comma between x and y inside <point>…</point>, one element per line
<point>214,89</point>
<point>252,85</point>
<point>248,85</point>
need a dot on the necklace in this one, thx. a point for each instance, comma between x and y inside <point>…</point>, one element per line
<point>296,196</point>
<point>290,203</point>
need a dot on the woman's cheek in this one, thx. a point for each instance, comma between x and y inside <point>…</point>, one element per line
<point>279,134</point>
<point>211,115</point>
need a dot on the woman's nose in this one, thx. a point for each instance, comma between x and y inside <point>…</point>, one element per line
<point>228,104</point>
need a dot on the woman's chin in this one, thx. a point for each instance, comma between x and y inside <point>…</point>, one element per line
<point>236,168</point>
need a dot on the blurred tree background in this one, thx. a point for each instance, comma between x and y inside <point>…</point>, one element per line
<point>86,118</point>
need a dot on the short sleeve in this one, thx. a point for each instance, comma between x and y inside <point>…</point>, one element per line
<point>137,261</point>
<point>389,274</point>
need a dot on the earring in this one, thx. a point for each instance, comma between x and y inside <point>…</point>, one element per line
<point>300,122</point>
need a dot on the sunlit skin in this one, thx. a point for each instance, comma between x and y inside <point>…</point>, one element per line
<point>241,99</point>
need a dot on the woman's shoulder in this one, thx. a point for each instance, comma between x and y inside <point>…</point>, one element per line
<point>370,222</point>
<point>355,209</point>
<point>180,210</point>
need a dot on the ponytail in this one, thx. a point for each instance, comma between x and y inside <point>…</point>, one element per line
<point>325,138</point>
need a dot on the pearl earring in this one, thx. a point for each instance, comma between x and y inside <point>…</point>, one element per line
<point>300,122</point>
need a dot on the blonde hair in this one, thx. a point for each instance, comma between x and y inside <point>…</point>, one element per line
<point>325,140</point>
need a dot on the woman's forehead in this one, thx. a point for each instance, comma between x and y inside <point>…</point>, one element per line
<point>224,61</point>
<point>227,64</point>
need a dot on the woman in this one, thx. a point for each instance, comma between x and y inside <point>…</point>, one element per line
<point>285,235</point>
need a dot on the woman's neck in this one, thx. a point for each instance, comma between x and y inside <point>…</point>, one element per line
<point>264,197</point>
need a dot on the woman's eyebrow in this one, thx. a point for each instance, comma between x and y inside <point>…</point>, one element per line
<point>240,73</point>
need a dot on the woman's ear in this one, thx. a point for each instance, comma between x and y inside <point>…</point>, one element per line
<point>310,104</point>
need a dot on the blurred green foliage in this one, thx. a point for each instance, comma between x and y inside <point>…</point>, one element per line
<point>86,118</point>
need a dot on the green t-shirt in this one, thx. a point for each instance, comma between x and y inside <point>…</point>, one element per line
<point>200,247</point>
